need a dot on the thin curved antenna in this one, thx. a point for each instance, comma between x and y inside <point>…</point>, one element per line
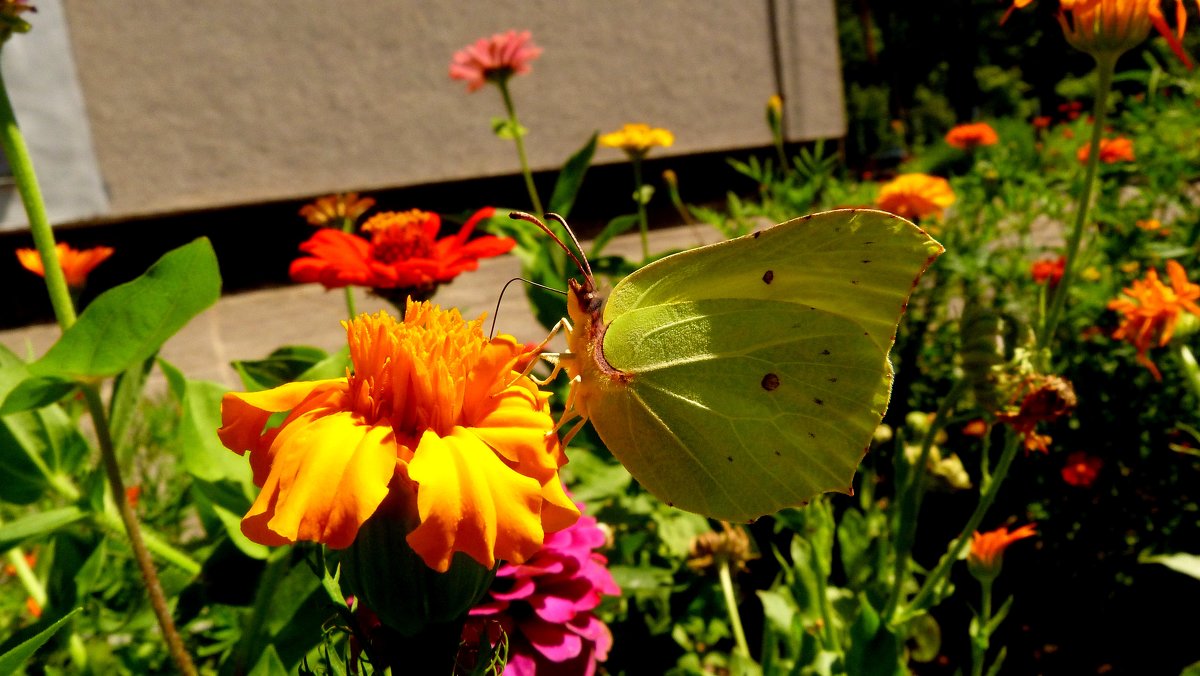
<point>496,314</point>
<point>579,247</point>
<point>584,268</point>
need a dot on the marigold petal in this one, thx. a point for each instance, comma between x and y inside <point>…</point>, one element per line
<point>469,500</point>
<point>243,414</point>
<point>329,474</point>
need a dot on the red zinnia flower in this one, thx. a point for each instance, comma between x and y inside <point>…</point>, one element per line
<point>1112,150</point>
<point>1048,270</point>
<point>496,59</point>
<point>1081,469</point>
<point>970,136</point>
<point>403,253</point>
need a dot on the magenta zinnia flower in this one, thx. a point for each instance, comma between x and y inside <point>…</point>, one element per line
<point>494,58</point>
<point>545,606</point>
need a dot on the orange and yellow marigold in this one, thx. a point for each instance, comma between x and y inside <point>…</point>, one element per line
<point>915,196</point>
<point>433,413</point>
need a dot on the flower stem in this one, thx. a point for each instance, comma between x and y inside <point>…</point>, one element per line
<point>348,228</point>
<point>21,166</point>
<point>641,204</point>
<point>735,619</point>
<point>520,142</point>
<point>936,579</point>
<point>979,642</point>
<point>1105,65</point>
<point>911,506</point>
<point>141,554</point>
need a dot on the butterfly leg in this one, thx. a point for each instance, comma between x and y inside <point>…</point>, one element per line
<point>551,357</point>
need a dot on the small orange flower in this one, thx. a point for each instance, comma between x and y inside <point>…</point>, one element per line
<point>1112,150</point>
<point>76,264</point>
<point>1081,469</point>
<point>1048,270</point>
<point>335,210</point>
<point>915,196</point>
<point>1152,225</point>
<point>1152,309</point>
<point>494,59</point>
<point>1042,122</point>
<point>976,428</point>
<point>987,549</point>
<point>637,139</point>
<point>403,254</point>
<point>433,413</point>
<point>971,136</point>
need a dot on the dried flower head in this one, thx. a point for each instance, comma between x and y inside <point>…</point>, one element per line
<point>731,545</point>
<point>1035,399</point>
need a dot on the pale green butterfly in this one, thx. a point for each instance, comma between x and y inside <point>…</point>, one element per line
<point>739,378</point>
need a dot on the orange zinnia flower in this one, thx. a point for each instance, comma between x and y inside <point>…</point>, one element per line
<point>1101,27</point>
<point>1112,150</point>
<point>987,549</point>
<point>433,412</point>
<point>1152,309</point>
<point>494,59</point>
<point>76,264</point>
<point>1048,270</point>
<point>402,254</point>
<point>971,136</point>
<point>1081,469</point>
<point>915,196</point>
<point>335,210</point>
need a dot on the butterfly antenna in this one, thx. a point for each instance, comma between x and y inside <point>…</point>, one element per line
<point>584,267</point>
<point>496,314</point>
<point>587,267</point>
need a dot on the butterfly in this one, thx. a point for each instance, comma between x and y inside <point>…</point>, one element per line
<point>740,378</point>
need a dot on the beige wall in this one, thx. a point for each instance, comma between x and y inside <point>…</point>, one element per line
<point>201,104</point>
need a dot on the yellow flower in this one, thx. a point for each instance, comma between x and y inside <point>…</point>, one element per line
<point>915,196</point>
<point>638,139</point>
<point>433,413</point>
<point>1090,274</point>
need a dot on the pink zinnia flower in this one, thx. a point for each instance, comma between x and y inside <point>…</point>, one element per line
<point>545,606</point>
<point>495,58</point>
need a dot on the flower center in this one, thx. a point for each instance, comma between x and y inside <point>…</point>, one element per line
<point>401,235</point>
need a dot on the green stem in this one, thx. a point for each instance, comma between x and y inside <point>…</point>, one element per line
<point>641,204</point>
<point>1105,66</point>
<point>158,546</point>
<point>979,642</point>
<point>1191,370</point>
<point>910,507</point>
<point>936,579</point>
<point>735,619</point>
<point>348,228</point>
<point>158,600</point>
<point>29,580</point>
<point>21,166</point>
<point>519,141</point>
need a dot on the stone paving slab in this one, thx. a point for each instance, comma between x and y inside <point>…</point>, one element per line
<point>250,325</point>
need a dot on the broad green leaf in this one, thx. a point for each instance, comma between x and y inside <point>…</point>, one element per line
<point>127,393</point>
<point>36,392</point>
<point>12,660</point>
<point>128,323</point>
<point>269,664</point>
<point>332,366</point>
<point>566,188</point>
<point>37,524</point>
<point>284,365</point>
<point>203,454</point>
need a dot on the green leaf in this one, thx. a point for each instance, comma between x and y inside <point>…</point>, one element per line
<point>127,392</point>
<point>1188,564</point>
<point>284,365</point>
<point>615,227</point>
<point>12,660</point>
<point>269,664</point>
<point>204,456</point>
<point>128,323</point>
<point>36,392</point>
<point>874,650</point>
<point>37,524</point>
<point>570,178</point>
<point>1192,669</point>
<point>504,128</point>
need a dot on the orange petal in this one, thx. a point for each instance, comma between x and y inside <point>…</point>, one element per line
<point>243,414</point>
<point>470,501</point>
<point>329,474</point>
<point>517,432</point>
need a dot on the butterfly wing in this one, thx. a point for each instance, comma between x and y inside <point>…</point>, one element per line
<point>759,366</point>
